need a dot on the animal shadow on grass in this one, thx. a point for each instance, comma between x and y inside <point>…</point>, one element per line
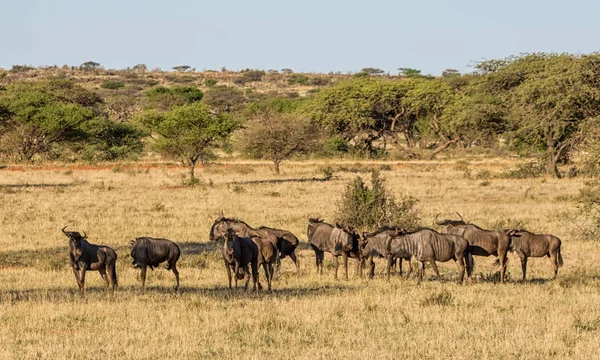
<point>196,248</point>
<point>224,293</point>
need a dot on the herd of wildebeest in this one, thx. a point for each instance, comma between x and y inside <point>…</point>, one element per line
<point>245,249</point>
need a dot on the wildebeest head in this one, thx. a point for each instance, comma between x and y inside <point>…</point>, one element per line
<point>75,239</point>
<point>344,237</point>
<point>229,238</point>
<point>450,221</point>
<point>218,228</point>
<point>514,236</point>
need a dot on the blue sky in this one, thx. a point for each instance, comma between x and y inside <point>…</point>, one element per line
<point>308,35</point>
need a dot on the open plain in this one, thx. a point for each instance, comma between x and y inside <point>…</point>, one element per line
<point>306,315</point>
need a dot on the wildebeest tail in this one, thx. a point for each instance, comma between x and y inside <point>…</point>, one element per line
<point>114,275</point>
<point>471,261</point>
<point>560,259</point>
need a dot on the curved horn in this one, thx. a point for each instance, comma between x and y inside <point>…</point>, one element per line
<point>63,230</point>
<point>460,216</point>
<point>437,222</point>
<point>84,235</point>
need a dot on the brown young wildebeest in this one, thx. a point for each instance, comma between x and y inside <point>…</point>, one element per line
<point>337,240</point>
<point>284,241</point>
<point>268,251</point>
<point>374,244</point>
<point>242,251</point>
<point>481,242</point>
<point>527,244</point>
<point>147,251</point>
<point>84,256</point>
<point>429,245</point>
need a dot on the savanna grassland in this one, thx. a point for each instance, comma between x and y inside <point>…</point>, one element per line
<point>306,316</point>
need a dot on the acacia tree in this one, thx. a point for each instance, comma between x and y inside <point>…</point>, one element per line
<point>554,102</point>
<point>277,136</point>
<point>188,132</point>
<point>52,115</point>
<point>362,110</point>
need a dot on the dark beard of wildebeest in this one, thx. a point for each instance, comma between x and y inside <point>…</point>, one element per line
<point>526,244</point>
<point>84,256</point>
<point>337,240</point>
<point>284,241</point>
<point>481,242</point>
<point>429,245</point>
<point>147,251</point>
<point>375,244</point>
<point>241,252</point>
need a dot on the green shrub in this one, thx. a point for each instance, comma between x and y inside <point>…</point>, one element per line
<point>210,82</point>
<point>369,208</point>
<point>112,84</point>
<point>532,169</point>
<point>298,79</point>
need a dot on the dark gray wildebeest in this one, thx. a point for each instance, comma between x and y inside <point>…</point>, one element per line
<point>150,252</point>
<point>374,244</point>
<point>481,242</point>
<point>84,256</point>
<point>429,245</point>
<point>284,241</point>
<point>241,252</point>
<point>527,244</point>
<point>338,240</point>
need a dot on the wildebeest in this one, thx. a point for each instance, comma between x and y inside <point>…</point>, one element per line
<point>287,244</point>
<point>481,242</point>
<point>242,251</point>
<point>147,251</point>
<point>84,256</point>
<point>374,244</point>
<point>429,245</point>
<point>284,241</point>
<point>338,240</point>
<point>527,244</point>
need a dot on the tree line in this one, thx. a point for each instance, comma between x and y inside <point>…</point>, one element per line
<point>543,105</point>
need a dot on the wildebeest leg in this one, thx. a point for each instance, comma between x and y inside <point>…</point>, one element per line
<point>435,268</point>
<point>236,270</point>
<point>345,259</point>
<point>502,259</point>
<point>460,262</point>
<point>82,287</point>
<point>174,269</point>
<point>76,272</point>
<point>399,266</point>
<point>360,264</point>
<point>268,267</point>
<point>554,261</point>
<point>524,265</point>
<point>256,283</point>
<point>144,267</point>
<point>390,260</point>
<point>228,267</point>
<point>336,263</point>
<point>421,270</point>
<point>410,269</point>
<point>371,267</point>
<point>103,274</point>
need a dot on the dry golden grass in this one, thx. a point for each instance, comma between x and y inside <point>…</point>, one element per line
<point>309,316</point>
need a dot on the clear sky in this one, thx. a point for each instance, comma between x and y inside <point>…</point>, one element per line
<point>307,35</point>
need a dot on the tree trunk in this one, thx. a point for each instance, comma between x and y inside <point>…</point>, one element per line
<point>443,147</point>
<point>191,167</point>
<point>276,166</point>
